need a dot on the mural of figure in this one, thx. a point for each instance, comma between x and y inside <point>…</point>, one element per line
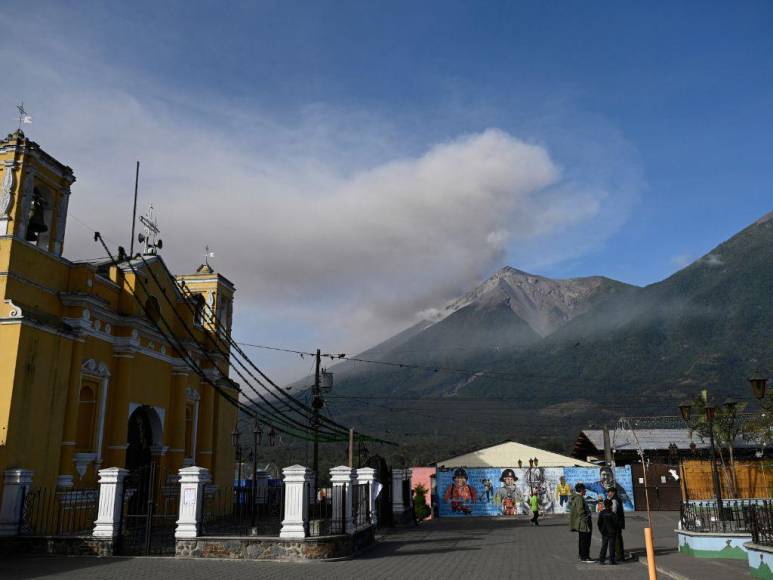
<point>459,494</point>
<point>537,480</point>
<point>563,491</point>
<point>508,496</point>
<point>488,491</point>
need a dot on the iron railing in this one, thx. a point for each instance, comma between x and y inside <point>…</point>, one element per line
<point>244,511</point>
<point>150,508</point>
<point>361,505</point>
<point>762,522</point>
<point>733,517</point>
<point>57,512</point>
<point>321,513</point>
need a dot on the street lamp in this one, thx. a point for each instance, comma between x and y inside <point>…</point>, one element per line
<point>759,385</point>
<point>710,412</point>
<point>235,436</point>
<point>257,434</point>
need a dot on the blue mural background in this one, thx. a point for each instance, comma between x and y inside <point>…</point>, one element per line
<point>486,494</point>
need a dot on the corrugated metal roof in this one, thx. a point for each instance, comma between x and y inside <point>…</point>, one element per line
<point>653,439</point>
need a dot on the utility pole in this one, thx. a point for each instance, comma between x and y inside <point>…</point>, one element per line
<point>607,447</point>
<point>316,405</point>
<point>351,448</point>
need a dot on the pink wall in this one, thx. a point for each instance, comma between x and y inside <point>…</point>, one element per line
<point>425,477</point>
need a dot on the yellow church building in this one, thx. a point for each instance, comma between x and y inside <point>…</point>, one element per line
<point>87,379</point>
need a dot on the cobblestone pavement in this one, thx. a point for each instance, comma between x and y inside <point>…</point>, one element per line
<point>443,549</point>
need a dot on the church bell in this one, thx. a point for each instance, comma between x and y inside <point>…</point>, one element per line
<point>37,224</point>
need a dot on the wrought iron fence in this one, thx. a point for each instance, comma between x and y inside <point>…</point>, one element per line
<point>57,512</point>
<point>361,505</point>
<point>149,512</point>
<point>735,517</point>
<point>762,522</point>
<point>321,513</point>
<point>244,511</point>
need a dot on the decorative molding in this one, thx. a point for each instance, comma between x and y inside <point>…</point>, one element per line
<point>82,461</point>
<point>92,368</point>
<point>192,394</point>
<point>13,310</point>
<point>6,188</point>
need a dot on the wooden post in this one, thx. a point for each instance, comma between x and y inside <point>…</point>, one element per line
<point>649,544</point>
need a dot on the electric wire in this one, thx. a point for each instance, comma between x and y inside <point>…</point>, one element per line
<point>283,419</point>
<point>172,340</point>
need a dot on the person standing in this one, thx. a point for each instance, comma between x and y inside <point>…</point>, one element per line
<point>619,511</point>
<point>534,503</point>
<point>580,521</point>
<point>608,527</point>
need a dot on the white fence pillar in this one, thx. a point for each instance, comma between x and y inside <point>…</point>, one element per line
<point>297,480</point>
<point>342,479</point>
<point>368,475</point>
<point>192,482</point>
<point>108,524</point>
<point>397,491</point>
<point>16,485</point>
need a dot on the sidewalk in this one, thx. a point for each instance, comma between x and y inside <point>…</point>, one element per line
<point>668,561</point>
<point>443,549</point>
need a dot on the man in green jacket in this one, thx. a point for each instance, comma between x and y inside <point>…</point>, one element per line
<point>580,521</point>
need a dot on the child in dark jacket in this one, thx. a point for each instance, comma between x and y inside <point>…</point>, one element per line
<point>608,528</point>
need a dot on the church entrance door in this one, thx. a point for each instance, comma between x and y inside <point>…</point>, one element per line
<point>150,504</point>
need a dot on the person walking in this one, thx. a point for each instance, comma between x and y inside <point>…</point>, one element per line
<point>619,511</point>
<point>608,527</point>
<point>534,503</point>
<point>580,521</point>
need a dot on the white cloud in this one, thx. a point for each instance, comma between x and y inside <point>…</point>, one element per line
<point>328,223</point>
<point>681,260</point>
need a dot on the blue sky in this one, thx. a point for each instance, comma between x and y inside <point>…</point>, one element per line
<point>655,119</point>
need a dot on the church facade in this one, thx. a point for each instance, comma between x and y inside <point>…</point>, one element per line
<point>102,364</point>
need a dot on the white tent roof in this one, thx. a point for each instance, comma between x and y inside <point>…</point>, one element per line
<point>508,453</point>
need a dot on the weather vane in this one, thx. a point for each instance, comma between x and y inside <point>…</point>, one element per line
<point>151,232</point>
<point>24,118</point>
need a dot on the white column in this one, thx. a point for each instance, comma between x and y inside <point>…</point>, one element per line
<point>192,482</point>
<point>397,491</point>
<point>108,524</point>
<point>368,475</point>
<point>16,485</point>
<point>296,521</point>
<point>342,479</point>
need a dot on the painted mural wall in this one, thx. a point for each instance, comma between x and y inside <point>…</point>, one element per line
<point>496,491</point>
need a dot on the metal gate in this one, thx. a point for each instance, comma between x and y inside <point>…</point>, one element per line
<point>150,512</point>
<point>663,489</point>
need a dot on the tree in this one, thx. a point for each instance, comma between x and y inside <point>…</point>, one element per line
<point>420,506</point>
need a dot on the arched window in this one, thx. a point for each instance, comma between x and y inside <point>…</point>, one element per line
<point>87,406</point>
<point>188,430</point>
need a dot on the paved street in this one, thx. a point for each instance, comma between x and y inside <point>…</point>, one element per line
<point>442,549</point>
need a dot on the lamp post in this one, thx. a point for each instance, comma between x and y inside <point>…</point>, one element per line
<point>710,412</point>
<point>257,435</point>
<point>235,436</point>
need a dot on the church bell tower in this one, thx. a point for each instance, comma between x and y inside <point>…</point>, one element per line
<point>34,194</point>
